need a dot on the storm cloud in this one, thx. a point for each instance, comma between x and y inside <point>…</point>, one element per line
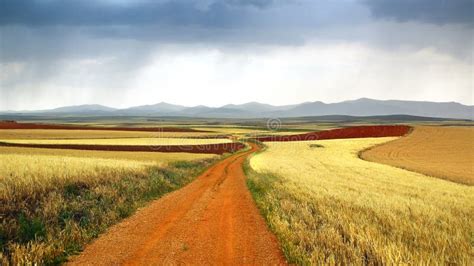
<point>90,13</point>
<point>52,47</point>
<point>430,11</point>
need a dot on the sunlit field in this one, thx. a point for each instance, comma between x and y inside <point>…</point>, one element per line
<point>159,158</point>
<point>236,132</point>
<point>53,202</point>
<point>328,206</point>
<point>121,141</point>
<point>26,175</point>
<point>444,152</point>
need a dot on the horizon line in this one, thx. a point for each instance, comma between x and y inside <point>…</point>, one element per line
<point>221,106</point>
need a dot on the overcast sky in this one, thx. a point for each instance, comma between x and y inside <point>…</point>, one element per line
<point>122,53</point>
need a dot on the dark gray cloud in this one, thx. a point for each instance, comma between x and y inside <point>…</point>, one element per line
<point>42,30</point>
<point>430,11</point>
<point>218,13</point>
<point>110,41</point>
<point>89,13</point>
<point>38,30</point>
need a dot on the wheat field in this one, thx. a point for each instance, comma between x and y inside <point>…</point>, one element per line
<point>328,206</point>
<point>159,158</point>
<point>445,152</point>
<point>27,175</point>
<point>53,202</point>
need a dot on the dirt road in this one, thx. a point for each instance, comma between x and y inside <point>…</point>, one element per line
<point>211,221</point>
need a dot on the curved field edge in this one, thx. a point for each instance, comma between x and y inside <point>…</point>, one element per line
<point>440,152</point>
<point>46,224</point>
<point>372,131</point>
<point>329,224</point>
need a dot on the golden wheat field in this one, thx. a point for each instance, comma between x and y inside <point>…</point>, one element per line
<point>29,174</point>
<point>31,170</point>
<point>53,202</point>
<point>120,141</point>
<point>159,158</point>
<point>445,152</point>
<point>327,206</point>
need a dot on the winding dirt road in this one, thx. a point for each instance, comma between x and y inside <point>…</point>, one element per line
<point>213,220</point>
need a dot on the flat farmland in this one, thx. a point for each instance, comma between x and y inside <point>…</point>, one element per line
<point>444,152</point>
<point>62,188</point>
<point>158,158</point>
<point>15,125</point>
<point>23,174</point>
<point>328,206</point>
<point>54,201</point>
<point>94,134</point>
<point>120,141</point>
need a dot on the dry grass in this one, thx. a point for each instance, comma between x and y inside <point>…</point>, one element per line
<point>327,206</point>
<point>121,141</point>
<point>445,152</point>
<point>160,158</point>
<point>51,206</point>
<point>92,134</point>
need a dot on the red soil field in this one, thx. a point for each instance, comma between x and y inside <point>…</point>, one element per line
<point>15,125</point>
<point>345,133</point>
<point>207,148</point>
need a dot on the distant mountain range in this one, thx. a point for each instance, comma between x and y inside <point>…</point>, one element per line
<point>359,107</point>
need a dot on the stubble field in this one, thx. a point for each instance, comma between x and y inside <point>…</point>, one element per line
<point>444,152</point>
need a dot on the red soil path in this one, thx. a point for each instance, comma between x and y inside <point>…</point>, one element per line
<point>15,125</point>
<point>219,148</point>
<point>211,221</point>
<point>345,133</point>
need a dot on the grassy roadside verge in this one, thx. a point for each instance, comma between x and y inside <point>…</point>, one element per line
<point>48,225</point>
<point>263,190</point>
<point>267,198</point>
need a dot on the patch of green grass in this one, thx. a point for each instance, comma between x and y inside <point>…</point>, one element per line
<point>316,145</point>
<point>30,229</point>
<point>262,186</point>
<point>184,164</point>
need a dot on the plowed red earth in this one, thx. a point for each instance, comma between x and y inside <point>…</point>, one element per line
<point>211,221</point>
<point>219,148</point>
<point>345,133</point>
<point>15,125</point>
